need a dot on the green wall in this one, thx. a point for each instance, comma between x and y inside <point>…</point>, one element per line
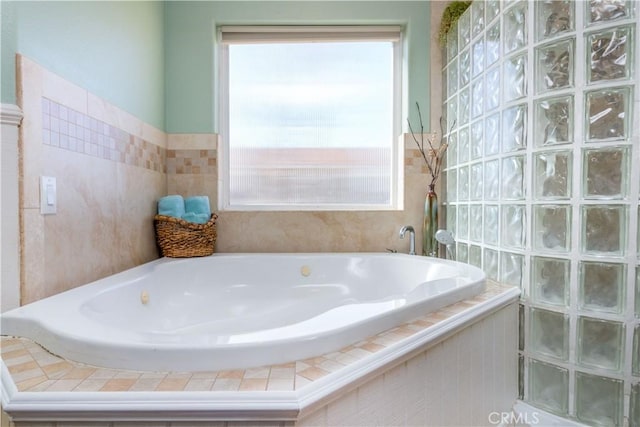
<point>113,49</point>
<point>157,60</point>
<point>190,59</point>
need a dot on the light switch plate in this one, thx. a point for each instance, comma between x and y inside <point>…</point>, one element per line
<point>48,195</point>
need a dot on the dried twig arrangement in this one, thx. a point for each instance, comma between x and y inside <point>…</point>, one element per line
<point>432,155</point>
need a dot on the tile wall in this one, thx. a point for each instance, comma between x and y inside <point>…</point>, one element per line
<point>542,186</point>
<point>109,168</point>
<point>192,169</point>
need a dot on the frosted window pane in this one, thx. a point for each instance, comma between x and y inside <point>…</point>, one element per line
<point>307,126</point>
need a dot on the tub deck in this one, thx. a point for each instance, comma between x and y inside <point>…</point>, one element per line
<point>33,369</point>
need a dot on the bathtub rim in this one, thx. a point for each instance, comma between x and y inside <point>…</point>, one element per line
<point>102,349</point>
<point>235,405</point>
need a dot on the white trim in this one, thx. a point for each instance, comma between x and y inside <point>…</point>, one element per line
<point>222,405</point>
<point>296,34</point>
<point>10,114</point>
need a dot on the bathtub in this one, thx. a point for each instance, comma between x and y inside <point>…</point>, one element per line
<point>234,311</point>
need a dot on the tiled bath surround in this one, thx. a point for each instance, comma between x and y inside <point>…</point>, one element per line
<point>458,379</point>
<point>542,188</point>
<point>109,168</point>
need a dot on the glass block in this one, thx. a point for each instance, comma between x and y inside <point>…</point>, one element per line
<point>552,179</point>
<point>493,44</point>
<point>555,66</point>
<point>549,333</point>
<point>476,143</point>
<point>475,256</point>
<point>600,343</point>
<point>492,135</point>
<point>492,89</point>
<point>452,112</point>
<point>475,223</point>
<point>599,400</point>
<point>550,280</point>
<point>634,406</point>
<point>554,18</point>
<point>491,263</point>
<point>452,78</point>
<point>521,377</point>
<point>477,57</point>
<point>492,180</point>
<point>452,151</point>
<point>609,10</point>
<point>465,102</point>
<point>554,121</point>
<point>464,29</point>
<point>513,178</point>
<point>491,10</point>
<point>515,27</point>
<point>451,219</point>
<point>606,173</point>
<point>491,215</point>
<point>513,226</point>
<point>552,228</point>
<point>452,184</point>
<point>463,183</point>
<point>515,78</point>
<point>476,181</point>
<point>607,114</point>
<point>549,387</point>
<point>452,42</point>
<point>638,292</point>
<point>511,269</point>
<point>463,145</point>
<point>465,67</point>
<point>514,128</point>
<point>477,93</point>
<point>604,228</point>
<point>521,326</point>
<point>477,18</point>
<point>635,366</point>
<point>462,252</point>
<point>601,287</point>
<point>463,222</point>
<point>610,56</point>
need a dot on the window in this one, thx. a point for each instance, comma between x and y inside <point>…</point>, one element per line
<point>310,118</point>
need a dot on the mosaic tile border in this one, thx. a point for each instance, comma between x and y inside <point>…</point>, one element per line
<point>71,130</point>
<point>184,161</point>
<point>34,369</point>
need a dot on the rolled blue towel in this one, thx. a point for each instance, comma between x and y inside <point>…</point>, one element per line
<point>197,218</point>
<point>198,205</point>
<point>171,206</point>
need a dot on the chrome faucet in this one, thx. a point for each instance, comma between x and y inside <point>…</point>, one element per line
<point>412,238</point>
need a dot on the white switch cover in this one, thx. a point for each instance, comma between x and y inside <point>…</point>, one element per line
<point>48,198</point>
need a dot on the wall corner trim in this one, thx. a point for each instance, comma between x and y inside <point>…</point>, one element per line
<point>10,114</point>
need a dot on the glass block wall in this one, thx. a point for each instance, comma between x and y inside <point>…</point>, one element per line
<point>542,183</point>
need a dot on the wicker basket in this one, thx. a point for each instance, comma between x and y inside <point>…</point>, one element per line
<point>178,238</point>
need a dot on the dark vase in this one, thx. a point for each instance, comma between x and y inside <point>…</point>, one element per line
<point>430,224</point>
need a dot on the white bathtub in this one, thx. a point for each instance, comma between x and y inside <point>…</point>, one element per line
<point>233,311</point>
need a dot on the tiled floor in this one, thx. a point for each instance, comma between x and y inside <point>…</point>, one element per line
<point>35,369</point>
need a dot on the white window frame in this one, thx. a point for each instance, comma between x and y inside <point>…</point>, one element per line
<point>269,34</point>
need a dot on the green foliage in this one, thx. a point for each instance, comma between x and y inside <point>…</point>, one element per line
<point>449,17</point>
